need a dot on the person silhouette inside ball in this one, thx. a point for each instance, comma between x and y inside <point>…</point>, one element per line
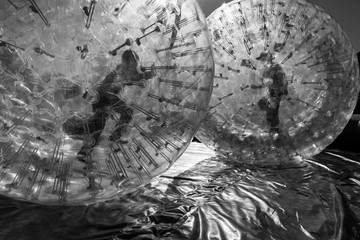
<point>274,79</point>
<point>107,104</point>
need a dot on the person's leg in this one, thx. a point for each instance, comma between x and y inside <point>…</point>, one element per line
<point>73,126</point>
<point>93,127</point>
<point>126,114</point>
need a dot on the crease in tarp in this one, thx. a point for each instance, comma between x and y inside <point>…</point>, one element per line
<point>210,197</point>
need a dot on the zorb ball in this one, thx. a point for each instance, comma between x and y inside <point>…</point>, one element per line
<point>286,81</point>
<point>97,97</point>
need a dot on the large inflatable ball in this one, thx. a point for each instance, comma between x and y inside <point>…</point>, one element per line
<point>97,97</point>
<point>286,81</point>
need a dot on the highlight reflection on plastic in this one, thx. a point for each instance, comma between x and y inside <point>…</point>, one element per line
<point>97,97</point>
<point>286,80</point>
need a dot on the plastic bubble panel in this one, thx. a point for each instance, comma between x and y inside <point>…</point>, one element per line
<point>98,97</point>
<point>286,80</point>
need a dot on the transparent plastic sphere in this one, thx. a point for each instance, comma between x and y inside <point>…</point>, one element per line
<point>98,97</point>
<point>286,80</point>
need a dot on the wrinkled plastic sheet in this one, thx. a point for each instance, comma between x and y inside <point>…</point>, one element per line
<point>208,197</point>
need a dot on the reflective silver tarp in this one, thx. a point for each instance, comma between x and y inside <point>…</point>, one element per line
<point>207,197</point>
